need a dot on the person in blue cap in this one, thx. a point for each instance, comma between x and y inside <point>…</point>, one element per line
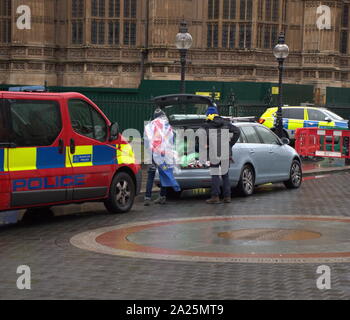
<point>219,157</point>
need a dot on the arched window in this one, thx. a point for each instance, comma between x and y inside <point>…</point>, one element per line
<point>344,34</point>
<point>229,23</point>
<point>77,21</point>
<point>269,22</point>
<point>130,22</point>
<point>5,21</point>
<point>111,19</point>
<point>98,14</point>
<point>114,22</point>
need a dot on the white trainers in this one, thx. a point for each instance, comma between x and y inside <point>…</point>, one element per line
<point>147,202</point>
<point>160,200</point>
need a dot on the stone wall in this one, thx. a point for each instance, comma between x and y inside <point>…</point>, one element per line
<point>46,52</point>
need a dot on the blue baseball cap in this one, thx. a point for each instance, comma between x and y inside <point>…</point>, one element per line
<point>212,110</point>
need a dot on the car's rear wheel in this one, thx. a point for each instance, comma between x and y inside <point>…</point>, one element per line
<point>121,194</point>
<point>246,184</point>
<point>296,176</point>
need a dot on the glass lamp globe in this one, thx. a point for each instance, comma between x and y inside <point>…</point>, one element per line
<point>183,40</point>
<point>281,51</point>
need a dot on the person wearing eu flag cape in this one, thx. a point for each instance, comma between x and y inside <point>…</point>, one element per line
<point>159,143</point>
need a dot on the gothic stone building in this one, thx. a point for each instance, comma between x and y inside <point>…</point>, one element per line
<point>116,43</point>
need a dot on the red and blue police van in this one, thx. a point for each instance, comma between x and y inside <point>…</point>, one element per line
<point>59,148</point>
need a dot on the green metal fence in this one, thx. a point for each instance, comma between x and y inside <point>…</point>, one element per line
<point>131,107</point>
<point>338,100</point>
<point>128,113</point>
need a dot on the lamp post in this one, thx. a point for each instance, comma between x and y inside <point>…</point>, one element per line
<point>183,42</point>
<point>281,52</point>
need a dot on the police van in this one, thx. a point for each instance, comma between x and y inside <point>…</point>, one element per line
<point>59,148</point>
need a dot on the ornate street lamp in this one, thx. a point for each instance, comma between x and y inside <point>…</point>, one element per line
<point>281,52</point>
<point>183,42</point>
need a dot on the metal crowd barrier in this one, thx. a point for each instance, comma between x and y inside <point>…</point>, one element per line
<point>315,142</point>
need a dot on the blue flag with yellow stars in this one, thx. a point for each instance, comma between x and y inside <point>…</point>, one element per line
<point>166,177</point>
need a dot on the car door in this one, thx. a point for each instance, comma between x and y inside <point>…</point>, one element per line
<point>317,119</point>
<point>36,160</point>
<point>257,153</point>
<point>92,158</point>
<point>278,160</point>
<point>295,120</point>
<point>4,145</point>
<point>239,153</point>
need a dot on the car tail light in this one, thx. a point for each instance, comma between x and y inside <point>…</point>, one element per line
<point>261,121</point>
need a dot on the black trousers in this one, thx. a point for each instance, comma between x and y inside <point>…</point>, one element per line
<point>216,181</point>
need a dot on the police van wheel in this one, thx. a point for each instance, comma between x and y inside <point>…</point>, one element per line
<point>121,194</point>
<point>246,183</point>
<point>37,214</point>
<point>296,176</point>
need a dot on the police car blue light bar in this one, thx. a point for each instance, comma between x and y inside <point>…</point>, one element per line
<point>28,89</point>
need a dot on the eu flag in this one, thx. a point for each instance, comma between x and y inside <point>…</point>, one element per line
<point>166,177</point>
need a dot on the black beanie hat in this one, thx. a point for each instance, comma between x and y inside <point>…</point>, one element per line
<point>158,113</point>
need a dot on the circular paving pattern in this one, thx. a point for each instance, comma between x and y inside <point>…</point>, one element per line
<point>253,239</point>
<point>269,234</point>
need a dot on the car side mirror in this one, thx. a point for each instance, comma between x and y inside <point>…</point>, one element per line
<point>114,130</point>
<point>285,140</point>
<point>328,119</point>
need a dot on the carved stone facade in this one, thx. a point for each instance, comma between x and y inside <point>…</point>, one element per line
<point>116,43</point>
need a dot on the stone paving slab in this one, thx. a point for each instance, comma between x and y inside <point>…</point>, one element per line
<point>62,271</point>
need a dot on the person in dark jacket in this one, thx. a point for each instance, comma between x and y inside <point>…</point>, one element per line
<point>221,136</point>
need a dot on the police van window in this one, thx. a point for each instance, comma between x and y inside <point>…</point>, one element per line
<point>3,124</point>
<point>250,134</point>
<point>285,113</point>
<point>296,113</point>
<point>87,121</point>
<point>316,115</point>
<point>267,136</point>
<point>34,123</point>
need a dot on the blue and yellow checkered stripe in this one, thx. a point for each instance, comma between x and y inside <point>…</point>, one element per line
<point>3,160</point>
<point>125,154</point>
<point>291,124</point>
<point>87,156</point>
<point>24,159</point>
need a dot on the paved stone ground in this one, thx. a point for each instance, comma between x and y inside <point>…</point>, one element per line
<point>61,271</point>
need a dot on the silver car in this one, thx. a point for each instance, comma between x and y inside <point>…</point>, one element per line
<point>259,157</point>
